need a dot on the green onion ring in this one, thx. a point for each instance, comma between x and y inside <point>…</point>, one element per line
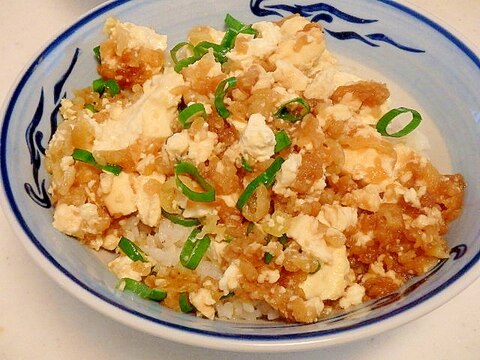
<point>228,296</point>
<point>223,87</point>
<point>88,158</point>
<point>180,220</point>
<point>246,166</point>
<point>178,47</point>
<point>96,53</point>
<point>238,26</point>
<point>386,119</point>
<point>186,168</point>
<point>267,178</point>
<point>130,249</point>
<point>90,107</point>
<point>100,85</point>
<point>193,250</point>
<point>282,141</point>
<point>285,112</point>
<point>142,290</point>
<point>267,258</point>
<point>184,303</point>
<point>187,115</point>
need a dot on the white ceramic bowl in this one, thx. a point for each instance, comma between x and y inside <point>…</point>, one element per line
<point>425,66</point>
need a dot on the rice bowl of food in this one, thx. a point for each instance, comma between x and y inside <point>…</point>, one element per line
<point>256,177</point>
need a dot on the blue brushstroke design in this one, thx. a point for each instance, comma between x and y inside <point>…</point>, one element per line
<point>386,39</point>
<point>323,12</point>
<point>34,137</point>
<point>350,35</point>
<point>38,192</point>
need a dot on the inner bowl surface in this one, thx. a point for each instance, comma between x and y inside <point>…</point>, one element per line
<point>429,66</point>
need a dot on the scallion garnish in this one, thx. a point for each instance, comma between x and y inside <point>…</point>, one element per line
<point>184,303</point>
<point>187,115</point>
<point>130,249</point>
<point>193,250</point>
<point>96,53</point>
<point>282,141</point>
<point>178,47</point>
<point>180,220</point>
<point>267,258</point>
<point>293,110</point>
<point>228,296</point>
<point>142,290</point>
<point>100,85</point>
<point>219,51</point>
<point>283,240</point>
<point>250,227</point>
<point>88,158</point>
<point>184,168</point>
<point>221,91</point>
<point>317,268</point>
<point>267,178</point>
<point>90,107</point>
<point>238,26</point>
<point>246,166</point>
<point>386,119</point>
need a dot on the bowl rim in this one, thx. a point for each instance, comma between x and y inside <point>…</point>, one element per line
<point>255,342</point>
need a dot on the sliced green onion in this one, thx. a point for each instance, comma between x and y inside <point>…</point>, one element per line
<point>219,51</point>
<point>246,166</point>
<point>100,85</point>
<point>282,141</point>
<point>220,93</point>
<point>130,249</point>
<point>238,26</point>
<point>319,266</point>
<point>184,303</point>
<point>267,258</point>
<point>386,119</point>
<point>187,115</point>
<point>267,178</point>
<point>228,41</point>
<point>183,168</point>
<point>142,290</point>
<point>178,47</point>
<point>228,296</point>
<point>293,110</point>
<point>178,67</point>
<point>88,158</point>
<point>250,227</point>
<point>283,240</point>
<point>193,250</point>
<point>96,53</point>
<point>180,220</point>
<point>90,107</point>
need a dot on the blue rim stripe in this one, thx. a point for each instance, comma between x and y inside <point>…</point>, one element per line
<point>314,334</point>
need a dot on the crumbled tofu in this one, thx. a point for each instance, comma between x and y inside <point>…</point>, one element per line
<point>150,116</point>
<point>123,267</point>
<point>121,199</point>
<point>337,216</point>
<point>353,296</point>
<point>289,76</point>
<point>230,278</point>
<point>148,200</point>
<point>258,140</point>
<point>329,282</point>
<point>203,302</point>
<point>131,36</point>
<point>75,220</point>
<point>306,230</point>
<point>287,174</point>
<point>268,276</point>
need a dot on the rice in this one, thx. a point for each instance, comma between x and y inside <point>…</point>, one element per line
<point>341,215</point>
